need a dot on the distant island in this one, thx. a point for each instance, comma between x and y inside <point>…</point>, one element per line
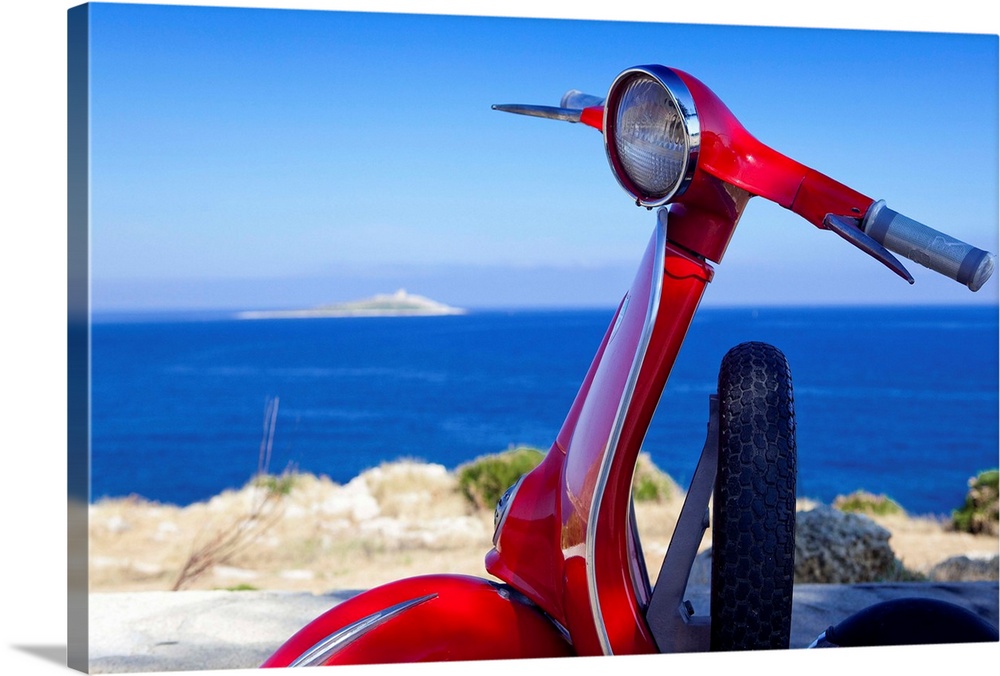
<point>399,304</point>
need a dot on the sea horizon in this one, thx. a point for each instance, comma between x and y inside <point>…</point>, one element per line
<point>894,400</point>
<point>154,314</point>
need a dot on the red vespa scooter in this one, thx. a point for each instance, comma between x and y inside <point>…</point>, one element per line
<point>565,544</point>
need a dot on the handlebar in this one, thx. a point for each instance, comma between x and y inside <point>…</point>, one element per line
<point>935,250</point>
<point>817,198</point>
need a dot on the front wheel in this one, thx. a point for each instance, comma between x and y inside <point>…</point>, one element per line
<point>753,514</point>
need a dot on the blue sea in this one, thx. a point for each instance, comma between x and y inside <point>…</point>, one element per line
<point>901,401</point>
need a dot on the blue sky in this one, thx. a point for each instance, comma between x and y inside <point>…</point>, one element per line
<point>276,158</point>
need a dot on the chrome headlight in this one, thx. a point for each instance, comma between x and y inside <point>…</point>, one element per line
<point>651,134</point>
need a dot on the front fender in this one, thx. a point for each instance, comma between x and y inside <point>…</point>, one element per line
<point>425,619</point>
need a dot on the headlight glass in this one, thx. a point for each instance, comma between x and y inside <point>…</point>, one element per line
<point>650,145</point>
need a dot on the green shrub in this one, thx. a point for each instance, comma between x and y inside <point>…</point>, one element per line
<point>650,483</point>
<point>979,514</point>
<point>276,484</point>
<point>243,586</point>
<point>485,479</point>
<point>862,502</point>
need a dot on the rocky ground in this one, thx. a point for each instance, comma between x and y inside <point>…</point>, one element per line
<point>309,534</point>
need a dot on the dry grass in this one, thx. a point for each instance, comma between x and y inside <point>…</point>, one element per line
<point>397,520</point>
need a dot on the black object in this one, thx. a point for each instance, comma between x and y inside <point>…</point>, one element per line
<point>911,621</point>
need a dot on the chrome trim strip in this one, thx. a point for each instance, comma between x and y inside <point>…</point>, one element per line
<point>511,594</point>
<point>344,636</point>
<point>609,450</point>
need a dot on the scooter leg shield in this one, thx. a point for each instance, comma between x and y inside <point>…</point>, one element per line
<point>426,619</point>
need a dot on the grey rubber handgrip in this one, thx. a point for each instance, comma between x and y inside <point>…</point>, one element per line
<point>935,250</point>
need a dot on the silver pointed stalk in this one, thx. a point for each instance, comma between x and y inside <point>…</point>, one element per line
<point>548,112</point>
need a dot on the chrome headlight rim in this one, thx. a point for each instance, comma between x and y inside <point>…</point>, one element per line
<point>502,507</point>
<point>681,99</point>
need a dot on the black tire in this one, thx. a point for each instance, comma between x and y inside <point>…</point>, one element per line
<point>753,513</point>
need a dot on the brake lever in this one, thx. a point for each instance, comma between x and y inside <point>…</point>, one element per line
<point>852,232</point>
